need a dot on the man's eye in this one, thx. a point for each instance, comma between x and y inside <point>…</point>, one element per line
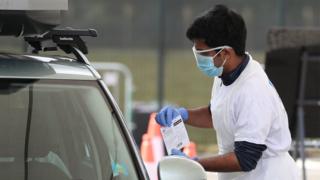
<point>205,54</point>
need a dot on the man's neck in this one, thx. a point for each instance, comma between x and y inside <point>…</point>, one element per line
<point>233,64</point>
<point>229,77</point>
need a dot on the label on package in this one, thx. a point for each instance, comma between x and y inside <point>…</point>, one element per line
<point>175,136</point>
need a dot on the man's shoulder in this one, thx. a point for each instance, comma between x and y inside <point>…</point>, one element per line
<point>253,74</point>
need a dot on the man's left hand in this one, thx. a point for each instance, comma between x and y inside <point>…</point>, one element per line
<point>177,152</point>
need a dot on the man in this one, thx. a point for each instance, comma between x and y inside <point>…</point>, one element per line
<point>245,109</point>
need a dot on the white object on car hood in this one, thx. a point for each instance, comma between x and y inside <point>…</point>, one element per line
<point>33,4</point>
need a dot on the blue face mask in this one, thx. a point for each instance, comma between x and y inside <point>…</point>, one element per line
<point>205,63</point>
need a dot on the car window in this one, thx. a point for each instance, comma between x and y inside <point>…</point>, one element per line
<point>54,129</point>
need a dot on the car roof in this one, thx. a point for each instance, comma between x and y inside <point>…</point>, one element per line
<point>30,66</point>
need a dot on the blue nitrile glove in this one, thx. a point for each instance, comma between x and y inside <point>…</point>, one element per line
<point>177,152</point>
<point>168,113</point>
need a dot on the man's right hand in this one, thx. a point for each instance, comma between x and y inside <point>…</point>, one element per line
<point>168,113</point>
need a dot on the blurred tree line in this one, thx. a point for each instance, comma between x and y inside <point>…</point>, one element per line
<point>134,23</point>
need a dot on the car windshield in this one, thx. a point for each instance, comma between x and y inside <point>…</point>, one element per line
<point>66,130</point>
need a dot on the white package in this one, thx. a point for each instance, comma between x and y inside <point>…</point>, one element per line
<point>175,136</point>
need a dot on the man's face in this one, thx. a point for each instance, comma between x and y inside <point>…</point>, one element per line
<point>200,44</point>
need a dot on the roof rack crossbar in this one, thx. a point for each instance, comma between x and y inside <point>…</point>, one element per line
<point>65,39</point>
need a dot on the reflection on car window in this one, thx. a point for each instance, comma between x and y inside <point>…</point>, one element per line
<point>72,133</point>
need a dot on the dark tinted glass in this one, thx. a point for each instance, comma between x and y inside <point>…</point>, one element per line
<point>60,130</point>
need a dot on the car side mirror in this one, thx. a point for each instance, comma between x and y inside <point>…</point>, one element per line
<point>175,167</point>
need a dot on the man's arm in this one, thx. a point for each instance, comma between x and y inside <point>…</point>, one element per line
<point>222,163</point>
<point>245,157</point>
<point>200,117</point>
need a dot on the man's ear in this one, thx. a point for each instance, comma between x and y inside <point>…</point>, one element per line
<point>227,53</point>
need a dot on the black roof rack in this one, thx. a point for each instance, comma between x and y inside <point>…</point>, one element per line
<point>69,40</point>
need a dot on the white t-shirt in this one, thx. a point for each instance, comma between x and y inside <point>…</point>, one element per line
<point>251,110</point>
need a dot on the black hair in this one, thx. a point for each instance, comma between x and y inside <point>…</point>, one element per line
<point>220,26</point>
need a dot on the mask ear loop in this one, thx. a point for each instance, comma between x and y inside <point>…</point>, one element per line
<point>217,55</point>
<point>225,60</point>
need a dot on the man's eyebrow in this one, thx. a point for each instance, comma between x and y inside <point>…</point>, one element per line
<point>201,49</point>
